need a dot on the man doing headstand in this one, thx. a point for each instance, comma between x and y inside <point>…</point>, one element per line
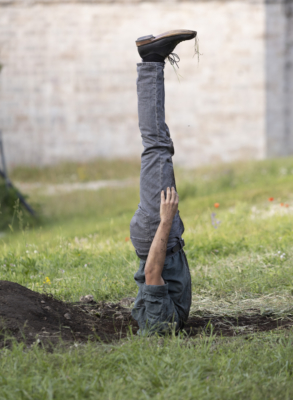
<point>164,295</point>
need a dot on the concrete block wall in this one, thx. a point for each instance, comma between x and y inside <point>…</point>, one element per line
<point>68,84</point>
<point>279,78</point>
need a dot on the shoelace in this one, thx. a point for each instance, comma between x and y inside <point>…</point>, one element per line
<point>174,59</point>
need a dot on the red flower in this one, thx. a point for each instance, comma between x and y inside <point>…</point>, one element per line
<point>282,204</point>
<point>127,239</point>
<point>217,205</point>
<point>286,205</point>
<point>271,199</point>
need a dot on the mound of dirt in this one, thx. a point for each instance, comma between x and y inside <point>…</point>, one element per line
<point>29,316</point>
<point>34,317</point>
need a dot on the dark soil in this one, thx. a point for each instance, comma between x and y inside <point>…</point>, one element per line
<point>29,316</point>
<point>232,326</point>
<point>33,317</point>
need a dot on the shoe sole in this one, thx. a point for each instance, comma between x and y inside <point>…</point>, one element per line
<point>180,34</point>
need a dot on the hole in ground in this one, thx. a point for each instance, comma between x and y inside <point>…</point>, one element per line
<point>30,316</point>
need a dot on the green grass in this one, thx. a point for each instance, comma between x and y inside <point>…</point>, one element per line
<point>244,263</point>
<point>207,368</point>
<point>11,209</point>
<point>78,172</point>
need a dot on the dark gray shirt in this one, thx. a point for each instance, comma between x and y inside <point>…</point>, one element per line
<point>161,308</point>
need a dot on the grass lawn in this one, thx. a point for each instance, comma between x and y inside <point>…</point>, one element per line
<point>240,256</point>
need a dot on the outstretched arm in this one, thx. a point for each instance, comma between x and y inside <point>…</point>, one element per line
<point>157,254</point>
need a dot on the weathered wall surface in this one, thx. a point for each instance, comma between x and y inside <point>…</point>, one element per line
<point>68,90</point>
<point>279,77</point>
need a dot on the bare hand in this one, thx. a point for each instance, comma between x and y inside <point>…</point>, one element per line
<point>169,205</point>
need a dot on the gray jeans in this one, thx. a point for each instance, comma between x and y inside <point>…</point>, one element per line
<point>156,160</point>
<point>157,308</point>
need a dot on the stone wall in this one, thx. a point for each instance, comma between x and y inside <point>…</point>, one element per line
<point>68,90</point>
<point>279,78</point>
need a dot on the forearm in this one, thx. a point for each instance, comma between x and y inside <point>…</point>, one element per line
<point>157,255</point>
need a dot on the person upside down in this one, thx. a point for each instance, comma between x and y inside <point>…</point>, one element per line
<point>163,278</point>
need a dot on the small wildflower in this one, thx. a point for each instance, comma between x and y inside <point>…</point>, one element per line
<point>282,204</point>
<point>271,199</point>
<point>27,251</point>
<point>217,205</point>
<point>127,239</point>
<point>85,265</point>
<point>35,251</point>
<point>286,205</point>
<point>47,280</point>
<point>215,222</point>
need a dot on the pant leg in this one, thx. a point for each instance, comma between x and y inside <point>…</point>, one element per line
<point>156,160</point>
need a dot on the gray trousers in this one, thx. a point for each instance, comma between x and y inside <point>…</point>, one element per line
<point>156,160</point>
<point>157,308</point>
